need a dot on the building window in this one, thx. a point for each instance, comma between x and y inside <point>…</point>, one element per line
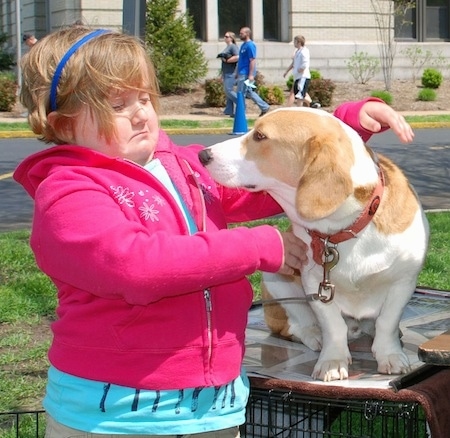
<point>271,18</point>
<point>233,14</point>
<point>422,20</point>
<point>405,20</point>
<point>196,9</point>
<point>437,20</point>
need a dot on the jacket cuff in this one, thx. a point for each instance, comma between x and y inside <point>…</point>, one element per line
<point>270,248</point>
<point>349,113</point>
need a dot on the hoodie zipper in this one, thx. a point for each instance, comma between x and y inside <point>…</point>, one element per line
<point>208,305</point>
<point>207,291</point>
<point>202,226</point>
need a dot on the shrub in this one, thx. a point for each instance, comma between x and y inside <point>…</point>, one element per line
<point>214,93</point>
<point>8,92</point>
<point>418,58</point>
<point>363,67</point>
<point>259,79</point>
<point>321,90</point>
<point>8,75</point>
<point>6,59</point>
<point>383,95</point>
<point>431,78</point>
<point>315,74</point>
<point>427,95</point>
<point>273,95</point>
<point>290,82</point>
<point>178,57</point>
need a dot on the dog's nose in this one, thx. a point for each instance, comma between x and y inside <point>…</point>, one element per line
<point>205,156</point>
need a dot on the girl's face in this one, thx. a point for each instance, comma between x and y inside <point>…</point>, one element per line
<point>136,126</point>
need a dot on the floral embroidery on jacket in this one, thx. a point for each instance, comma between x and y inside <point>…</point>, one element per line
<point>148,209</point>
<point>158,200</point>
<point>123,195</point>
<point>149,212</point>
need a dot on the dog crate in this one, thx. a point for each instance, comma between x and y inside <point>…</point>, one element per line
<point>273,414</point>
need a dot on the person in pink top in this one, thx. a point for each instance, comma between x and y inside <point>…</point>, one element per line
<point>152,290</point>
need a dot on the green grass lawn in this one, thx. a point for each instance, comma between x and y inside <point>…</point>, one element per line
<point>434,120</point>
<point>19,126</point>
<point>27,304</point>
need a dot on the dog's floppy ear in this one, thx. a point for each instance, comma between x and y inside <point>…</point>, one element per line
<point>325,181</point>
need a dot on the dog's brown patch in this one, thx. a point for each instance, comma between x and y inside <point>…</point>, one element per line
<point>275,315</point>
<point>327,171</point>
<point>399,203</point>
<point>363,194</point>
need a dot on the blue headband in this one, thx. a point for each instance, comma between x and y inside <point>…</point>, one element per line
<point>63,62</point>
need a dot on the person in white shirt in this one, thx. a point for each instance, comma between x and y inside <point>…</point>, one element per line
<point>301,72</point>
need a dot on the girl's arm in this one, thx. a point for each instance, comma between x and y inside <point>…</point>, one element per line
<point>372,115</point>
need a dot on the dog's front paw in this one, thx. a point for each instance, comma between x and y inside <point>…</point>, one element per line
<point>331,370</point>
<point>311,336</point>
<point>397,363</point>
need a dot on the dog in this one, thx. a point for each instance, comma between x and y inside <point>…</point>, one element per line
<point>366,231</point>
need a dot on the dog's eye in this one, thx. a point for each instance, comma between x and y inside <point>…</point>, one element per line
<point>258,136</point>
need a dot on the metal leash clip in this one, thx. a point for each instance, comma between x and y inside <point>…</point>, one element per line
<point>326,288</point>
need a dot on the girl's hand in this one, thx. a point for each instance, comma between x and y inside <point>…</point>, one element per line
<point>294,253</point>
<point>374,116</point>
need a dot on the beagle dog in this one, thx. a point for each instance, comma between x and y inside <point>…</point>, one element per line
<point>366,232</point>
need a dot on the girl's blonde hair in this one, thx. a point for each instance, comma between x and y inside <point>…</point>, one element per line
<point>110,61</point>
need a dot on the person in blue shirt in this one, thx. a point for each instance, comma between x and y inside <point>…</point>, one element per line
<point>246,70</point>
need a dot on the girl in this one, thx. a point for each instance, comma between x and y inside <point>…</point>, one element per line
<point>152,294</point>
